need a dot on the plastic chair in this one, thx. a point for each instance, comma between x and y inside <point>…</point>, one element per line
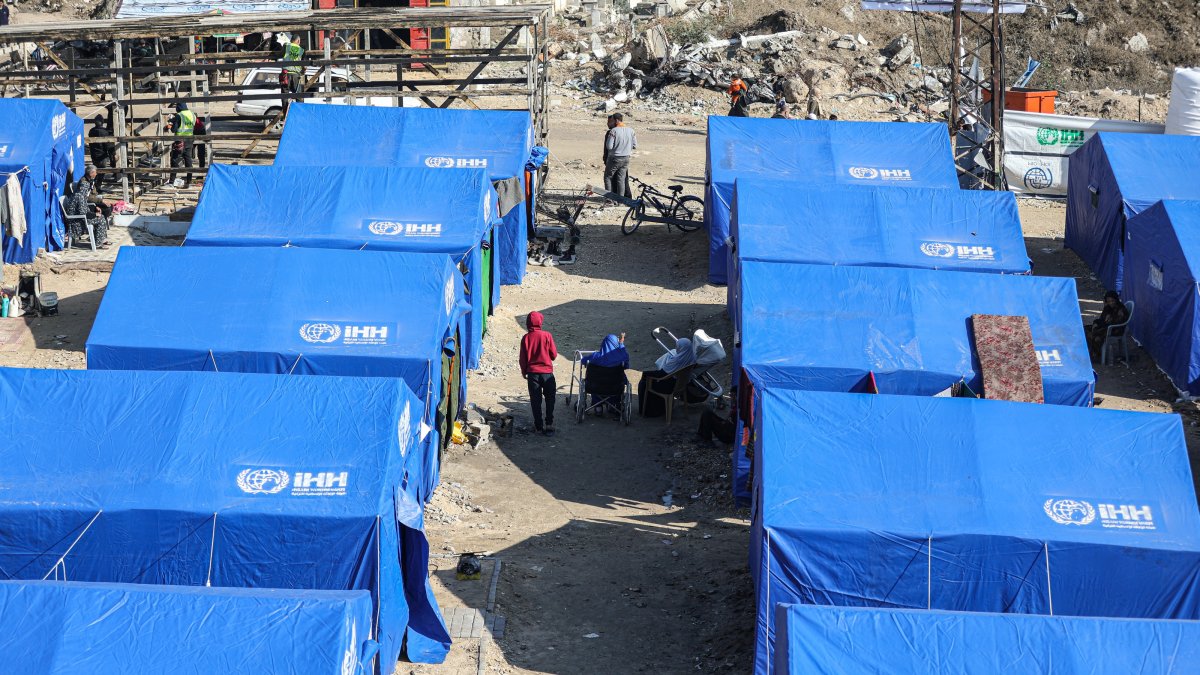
<point>68,218</point>
<point>682,378</point>
<point>1122,338</point>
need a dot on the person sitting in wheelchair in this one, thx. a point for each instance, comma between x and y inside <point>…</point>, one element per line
<point>605,372</point>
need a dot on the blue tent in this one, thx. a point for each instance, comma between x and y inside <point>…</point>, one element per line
<point>359,208</point>
<point>40,141</point>
<point>228,480</point>
<point>1162,256</point>
<point>829,328</point>
<point>962,230</point>
<point>59,628</point>
<point>958,504</point>
<point>814,153</point>
<point>853,641</point>
<point>288,311</point>
<point>1115,176</point>
<point>499,141</point>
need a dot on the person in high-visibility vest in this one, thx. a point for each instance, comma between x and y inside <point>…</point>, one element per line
<point>739,99</point>
<point>291,78</point>
<point>183,125</point>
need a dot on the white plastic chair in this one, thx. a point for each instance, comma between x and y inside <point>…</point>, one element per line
<point>1122,339</point>
<point>68,218</point>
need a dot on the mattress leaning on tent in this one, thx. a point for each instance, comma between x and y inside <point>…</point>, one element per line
<point>816,153</point>
<point>224,480</point>
<point>931,228</point>
<point>855,641</point>
<point>289,311</point>
<point>969,505</point>
<point>56,628</point>
<point>41,142</point>
<point>497,141</point>
<point>360,208</point>
<point>1162,260</point>
<point>1114,177</point>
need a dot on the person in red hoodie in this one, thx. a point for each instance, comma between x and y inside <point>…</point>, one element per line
<point>537,365</point>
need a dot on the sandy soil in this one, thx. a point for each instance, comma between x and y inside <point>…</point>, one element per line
<point>621,550</point>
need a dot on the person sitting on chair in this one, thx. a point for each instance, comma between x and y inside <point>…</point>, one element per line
<point>611,354</point>
<point>1114,313</point>
<point>683,356</point>
<point>83,201</point>
<point>714,425</point>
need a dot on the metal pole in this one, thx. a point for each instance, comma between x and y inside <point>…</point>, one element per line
<point>329,75</point>
<point>367,46</point>
<point>998,96</point>
<point>119,112</point>
<point>955,75</point>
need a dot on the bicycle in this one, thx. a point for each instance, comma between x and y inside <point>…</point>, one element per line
<point>685,213</point>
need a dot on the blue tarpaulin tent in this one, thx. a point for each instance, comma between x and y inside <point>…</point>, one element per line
<point>228,480</point>
<point>40,141</point>
<point>829,328</point>
<point>499,141</point>
<point>855,641</point>
<point>286,311</point>
<point>60,628</point>
<point>359,208</point>
<point>815,153</point>
<point>1115,176</point>
<point>962,230</point>
<point>1162,258</point>
<point>959,504</point>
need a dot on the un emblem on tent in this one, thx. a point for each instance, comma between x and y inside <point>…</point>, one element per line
<point>935,249</point>
<point>439,162</point>
<point>404,429</point>
<point>1069,511</point>
<point>263,481</point>
<point>386,228</point>
<point>320,333</point>
<point>864,172</point>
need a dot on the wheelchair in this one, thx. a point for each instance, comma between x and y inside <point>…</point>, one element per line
<point>609,384</point>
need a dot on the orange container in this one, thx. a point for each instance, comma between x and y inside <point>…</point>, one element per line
<point>1030,100</point>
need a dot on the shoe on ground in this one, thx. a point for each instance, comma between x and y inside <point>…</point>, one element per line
<point>548,432</point>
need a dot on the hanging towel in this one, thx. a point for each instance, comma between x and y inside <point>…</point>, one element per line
<point>511,192</point>
<point>16,209</point>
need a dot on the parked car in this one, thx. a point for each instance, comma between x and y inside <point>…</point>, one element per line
<point>261,81</point>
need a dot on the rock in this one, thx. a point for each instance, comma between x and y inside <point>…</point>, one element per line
<point>862,39</point>
<point>650,49</point>
<point>555,50</point>
<point>597,47</point>
<point>620,63</point>
<point>794,90</point>
<point>825,76</point>
<point>607,106</point>
<point>898,43</point>
<point>901,58</point>
<point>1137,44</point>
<point>636,86</point>
<point>845,42</point>
<point>932,85</point>
<point>848,12</point>
<point>620,97</point>
<point>745,72</point>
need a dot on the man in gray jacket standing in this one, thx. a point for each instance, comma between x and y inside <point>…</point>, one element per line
<point>619,144</point>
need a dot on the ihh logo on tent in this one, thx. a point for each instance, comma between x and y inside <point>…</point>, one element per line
<point>456,162</point>
<point>3,151</point>
<point>58,126</point>
<point>263,481</point>
<point>870,173</point>
<point>935,249</point>
<point>1069,511</point>
<point>1049,358</point>
<point>322,483</point>
<point>864,173</point>
<point>389,228</point>
<point>320,333</point>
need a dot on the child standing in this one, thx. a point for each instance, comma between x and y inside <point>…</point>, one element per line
<point>537,365</point>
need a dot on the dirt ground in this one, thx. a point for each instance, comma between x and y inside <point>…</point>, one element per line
<point>621,551</point>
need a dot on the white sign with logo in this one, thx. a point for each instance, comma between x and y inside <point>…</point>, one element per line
<point>1049,357</point>
<point>327,333</point>
<point>875,173</point>
<point>263,481</point>
<point>58,126</point>
<point>391,228</point>
<point>1113,516</point>
<point>3,149</point>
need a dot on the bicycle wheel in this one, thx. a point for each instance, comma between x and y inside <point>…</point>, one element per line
<point>688,214</point>
<point>628,225</point>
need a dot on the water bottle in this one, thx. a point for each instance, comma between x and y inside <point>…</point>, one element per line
<point>4,307</point>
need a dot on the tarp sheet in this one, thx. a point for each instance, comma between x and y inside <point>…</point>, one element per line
<point>1116,176</point>
<point>281,310</point>
<point>963,230</point>
<point>498,141</point>
<point>1162,260</point>
<point>816,153</point>
<point>854,641</point>
<point>227,479</point>
<point>62,628</point>
<point>968,505</point>
<point>40,141</point>
<point>139,9</point>
<point>359,208</point>
<point>1006,6</point>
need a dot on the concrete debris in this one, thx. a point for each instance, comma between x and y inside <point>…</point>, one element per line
<point>620,63</point>
<point>597,47</point>
<point>898,43</point>
<point>1138,44</point>
<point>845,42</point>
<point>1071,13</point>
<point>848,12</point>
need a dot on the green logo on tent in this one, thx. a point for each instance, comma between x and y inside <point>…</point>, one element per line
<point>1068,137</point>
<point>1047,136</point>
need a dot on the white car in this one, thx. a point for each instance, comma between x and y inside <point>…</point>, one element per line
<point>260,81</point>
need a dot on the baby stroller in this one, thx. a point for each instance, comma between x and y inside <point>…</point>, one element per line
<point>607,385</point>
<point>709,352</point>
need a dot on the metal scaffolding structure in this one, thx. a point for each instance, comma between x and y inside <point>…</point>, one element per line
<point>976,109</point>
<point>133,71</point>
